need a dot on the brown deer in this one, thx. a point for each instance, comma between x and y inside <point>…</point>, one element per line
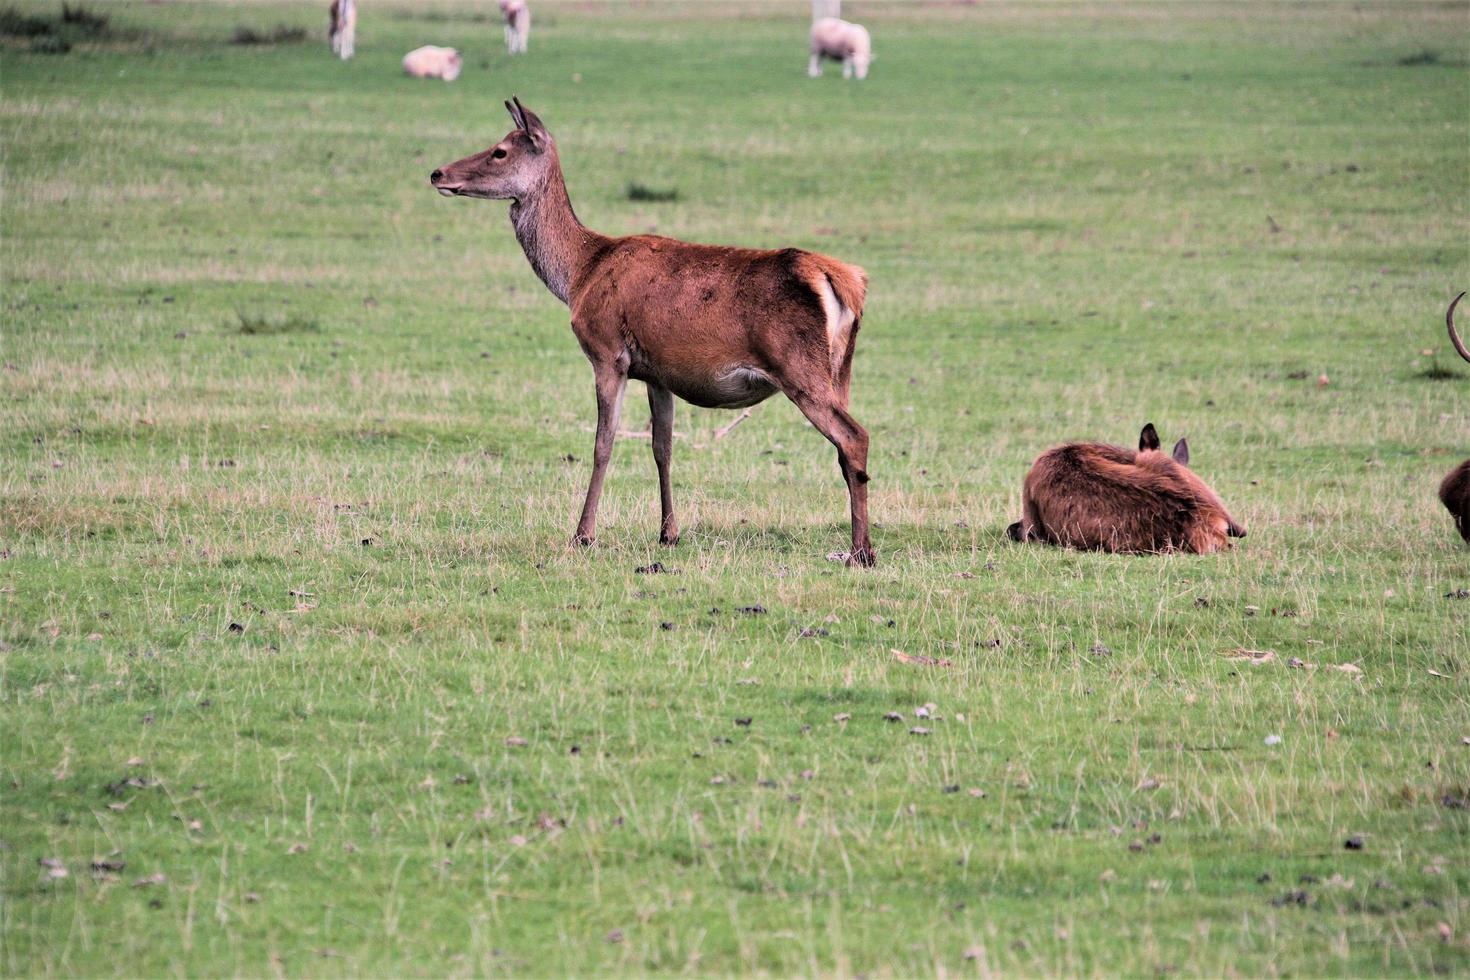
<point>1454,492</point>
<point>719,327</point>
<point>1095,496</point>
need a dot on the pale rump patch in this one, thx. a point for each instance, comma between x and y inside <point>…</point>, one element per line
<point>839,322</point>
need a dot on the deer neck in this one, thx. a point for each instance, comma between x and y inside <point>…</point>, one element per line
<point>554,241</point>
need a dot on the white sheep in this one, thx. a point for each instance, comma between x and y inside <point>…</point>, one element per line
<point>431,61</point>
<point>343,27</point>
<point>517,25</point>
<point>841,41</point>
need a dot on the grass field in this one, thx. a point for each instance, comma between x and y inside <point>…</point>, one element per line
<point>297,674</point>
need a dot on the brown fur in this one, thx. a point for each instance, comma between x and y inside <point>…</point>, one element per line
<point>720,327</point>
<point>1454,491</point>
<point>1091,495</point>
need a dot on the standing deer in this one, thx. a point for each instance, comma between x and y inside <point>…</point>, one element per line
<point>1095,496</point>
<point>720,327</point>
<point>343,27</point>
<point>1454,492</point>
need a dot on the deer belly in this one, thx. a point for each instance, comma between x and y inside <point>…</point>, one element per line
<point>736,387</point>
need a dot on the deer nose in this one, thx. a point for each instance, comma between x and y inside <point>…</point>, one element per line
<point>435,177</point>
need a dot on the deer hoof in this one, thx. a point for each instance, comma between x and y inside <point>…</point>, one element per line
<point>668,540</point>
<point>582,541</point>
<point>862,558</point>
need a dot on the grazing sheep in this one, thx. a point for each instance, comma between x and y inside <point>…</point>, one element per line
<point>517,25</point>
<point>431,61</point>
<point>1094,496</point>
<point>343,27</point>
<point>840,41</point>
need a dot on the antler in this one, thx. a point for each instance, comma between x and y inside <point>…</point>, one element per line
<point>1449,321</point>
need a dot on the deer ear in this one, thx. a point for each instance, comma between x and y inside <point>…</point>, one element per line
<point>1148,438</point>
<point>533,126</point>
<point>1181,452</point>
<point>515,115</point>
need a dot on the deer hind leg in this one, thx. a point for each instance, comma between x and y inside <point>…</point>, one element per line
<point>826,412</point>
<point>661,406</point>
<point>611,384</point>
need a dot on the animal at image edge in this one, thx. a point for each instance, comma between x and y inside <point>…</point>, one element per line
<point>1454,491</point>
<point>720,327</point>
<point>1091,495</point>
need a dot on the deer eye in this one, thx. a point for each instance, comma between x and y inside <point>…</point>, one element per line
<point>498,154</point>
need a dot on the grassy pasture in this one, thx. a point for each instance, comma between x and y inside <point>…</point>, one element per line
<point>290,448</point>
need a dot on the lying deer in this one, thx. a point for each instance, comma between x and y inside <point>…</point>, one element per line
<point>1454,492</point>
<point>1092,495</point>
<point>719,327</point>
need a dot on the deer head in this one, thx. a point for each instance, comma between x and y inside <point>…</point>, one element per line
<point>1149,449</point>
<point>516,167</point>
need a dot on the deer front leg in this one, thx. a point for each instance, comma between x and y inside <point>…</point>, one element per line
<point>611,383</point>
<point>814,67</point>
<point>661,406</point>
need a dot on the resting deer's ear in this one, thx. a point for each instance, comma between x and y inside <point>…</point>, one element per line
<point>1181,452</point>
<point>533,126</point>
<point>1148,438</point>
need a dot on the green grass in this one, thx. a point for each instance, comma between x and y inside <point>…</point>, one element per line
<point>257,373</point>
